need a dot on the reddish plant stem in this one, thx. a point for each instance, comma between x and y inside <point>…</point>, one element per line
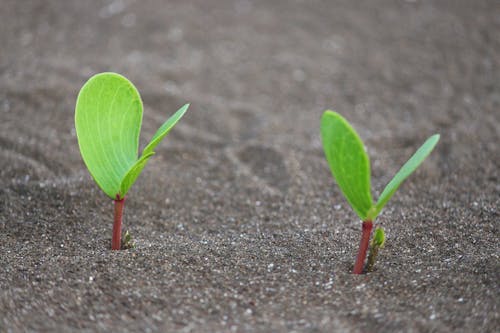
<point>363,247</point>
<point>116,241</point>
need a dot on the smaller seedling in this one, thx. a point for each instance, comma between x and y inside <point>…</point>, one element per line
<point>378,241</point>
<point>108,117</point>
<point>127,241</point>
<point>350,167</point>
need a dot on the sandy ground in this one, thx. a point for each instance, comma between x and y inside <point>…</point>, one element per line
<point>238,222</point>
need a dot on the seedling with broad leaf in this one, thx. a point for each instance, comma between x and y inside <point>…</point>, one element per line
<point>350,167</point>
<point>108,117</point>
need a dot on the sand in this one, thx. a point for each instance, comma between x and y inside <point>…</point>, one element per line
<point>238,223</point>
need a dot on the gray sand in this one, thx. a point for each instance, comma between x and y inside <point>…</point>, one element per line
<point>238,222</point>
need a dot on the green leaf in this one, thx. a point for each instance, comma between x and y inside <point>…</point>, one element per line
<point>108,119</point>
<point>134,172</point>
<point>378,237</point>
<point>377,243</point>
<point>407,169</point>
<point>348,161</point>
<point>164,129</point>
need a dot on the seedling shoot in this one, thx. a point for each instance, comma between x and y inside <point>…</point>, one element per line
<point>378,241</point>
<point>350,166</point>
<point>108,117</point>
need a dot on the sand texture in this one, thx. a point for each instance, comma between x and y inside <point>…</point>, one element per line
<point>238,223</point>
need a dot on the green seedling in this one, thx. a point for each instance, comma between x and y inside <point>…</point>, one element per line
<point>108,117</point>
<point>127,241</point>
<point>378,241</point>
<point>350,166</point>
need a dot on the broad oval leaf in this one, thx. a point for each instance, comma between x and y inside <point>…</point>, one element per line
<point>108,119</point>
<point>349,163</point>
<point>408,168</point>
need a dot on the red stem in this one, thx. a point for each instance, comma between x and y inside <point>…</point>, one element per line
<point>116,242</point>
<point>363,247</point>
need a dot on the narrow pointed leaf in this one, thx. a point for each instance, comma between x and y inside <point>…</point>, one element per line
<point>348,161</point>
<point>410,166</point>
<point>108,119</point>
<point>164,129</point>
<point>132,174</point>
